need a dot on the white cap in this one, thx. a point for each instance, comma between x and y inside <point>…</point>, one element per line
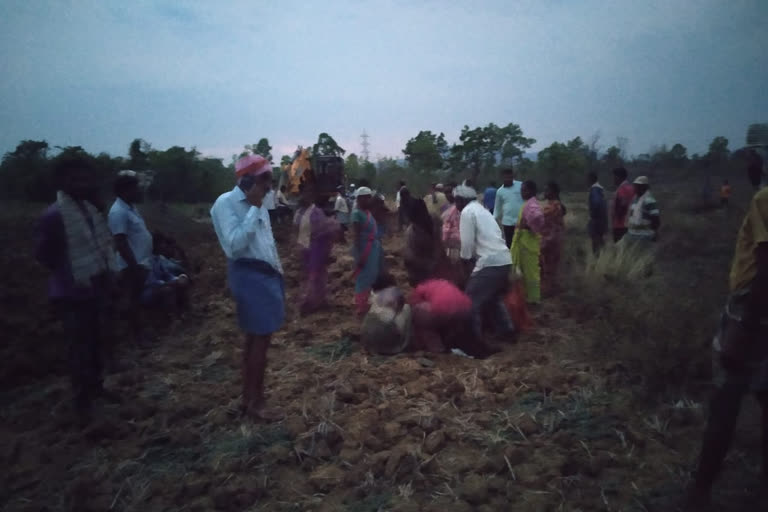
<point>641,180</point>
<point>465,192</point>
<point>363,191</point>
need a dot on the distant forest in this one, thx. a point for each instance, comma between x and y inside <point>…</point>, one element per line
<point>184,175</point>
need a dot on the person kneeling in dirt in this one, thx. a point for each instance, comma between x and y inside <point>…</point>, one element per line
<point>167,283</point>
<point>386,326</point>
<point>442,320</point>
<point>242,226</point>
<point>740,347</point>
<point>76,245</point>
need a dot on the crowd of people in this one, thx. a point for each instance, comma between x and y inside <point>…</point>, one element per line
<point>461,251</point>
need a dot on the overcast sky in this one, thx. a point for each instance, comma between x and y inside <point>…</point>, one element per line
<point>218,75</point>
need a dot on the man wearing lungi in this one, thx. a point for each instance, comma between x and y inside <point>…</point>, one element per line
<point>241,221</point>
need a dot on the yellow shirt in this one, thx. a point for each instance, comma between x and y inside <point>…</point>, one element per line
<point>754,231</point>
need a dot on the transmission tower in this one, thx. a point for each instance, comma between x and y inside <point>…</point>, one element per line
<point>365,154</point>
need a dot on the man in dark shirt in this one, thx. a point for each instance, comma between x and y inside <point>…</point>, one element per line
<point>81,276</point>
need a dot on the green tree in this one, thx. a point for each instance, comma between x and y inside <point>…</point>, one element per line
<point>25,172</point>
<point>352,168</point>
<point>612,157</point>
<point>482,149</point>
<point>426,151</point>
<point>138,154</point>
<point>565,163</point>
<point>718,150</point>
<point>678,155</point>
<point>261,148</point>
<point>327,146</point>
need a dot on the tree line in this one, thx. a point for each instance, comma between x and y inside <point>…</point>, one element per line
<point>184,175</point>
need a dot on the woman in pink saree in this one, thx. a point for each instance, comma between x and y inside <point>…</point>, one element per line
<point>317,232</point>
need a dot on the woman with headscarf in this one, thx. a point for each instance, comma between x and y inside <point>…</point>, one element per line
<point>422,243</point>
<point>316,235</point>
<point>366,250</point>
<point>552,236</point>
<point>526,243</point>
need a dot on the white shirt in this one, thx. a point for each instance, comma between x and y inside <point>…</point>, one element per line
<point>244,230</point>
<point>281,200</point>
<point>124,219</point>
<point>481,238</point>
<point>341,205</point>
<point>269,200</point>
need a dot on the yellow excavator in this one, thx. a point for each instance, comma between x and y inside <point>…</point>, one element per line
<point>326,173</point>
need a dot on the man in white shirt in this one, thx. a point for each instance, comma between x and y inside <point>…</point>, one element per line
<point>242,226</point>
<point>270,203</point>
<point>484,252</point>
<point>341,207</point>
<point>133,243</point>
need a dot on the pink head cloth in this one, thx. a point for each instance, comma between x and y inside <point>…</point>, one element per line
<point>252,164</point>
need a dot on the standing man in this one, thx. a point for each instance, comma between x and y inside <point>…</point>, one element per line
<point>598,213</point>
<point>486,256</point>
<point>436,201</point>
<point>489,197</point>
<point>508,202</point>
<point>740,347</point>
<point>76,246</point>
<point>725,194</point>
<point>401,202</point>
<point>625,194</point>
<point>341,208</point>
<point>270,203</point>
<point>644,217</point>
<point>255,274</point>
<point>133,242</point>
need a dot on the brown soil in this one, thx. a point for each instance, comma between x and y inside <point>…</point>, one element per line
<point>530,429</point>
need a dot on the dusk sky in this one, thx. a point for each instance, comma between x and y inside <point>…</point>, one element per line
<point>218,75</point>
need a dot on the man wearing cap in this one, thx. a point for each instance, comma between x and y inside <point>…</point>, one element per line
<point>644,219</point>
<point>241,222</point>
<point>740,347</point>
<point>133,243</point>
<point>484,252</point>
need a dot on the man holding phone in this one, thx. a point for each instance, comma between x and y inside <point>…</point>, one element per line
<point>242,225</point>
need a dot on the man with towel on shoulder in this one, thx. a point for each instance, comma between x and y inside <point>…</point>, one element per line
<point>241,221</point>
<point>75,244</point>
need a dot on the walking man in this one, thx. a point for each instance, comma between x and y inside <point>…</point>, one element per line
<point>508,202</point>
<point>76,246</point>
<point>255,274</point>
<point>740,355</point>
<point>487,257</point>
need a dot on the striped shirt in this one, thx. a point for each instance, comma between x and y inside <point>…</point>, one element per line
<point>641,213</point>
